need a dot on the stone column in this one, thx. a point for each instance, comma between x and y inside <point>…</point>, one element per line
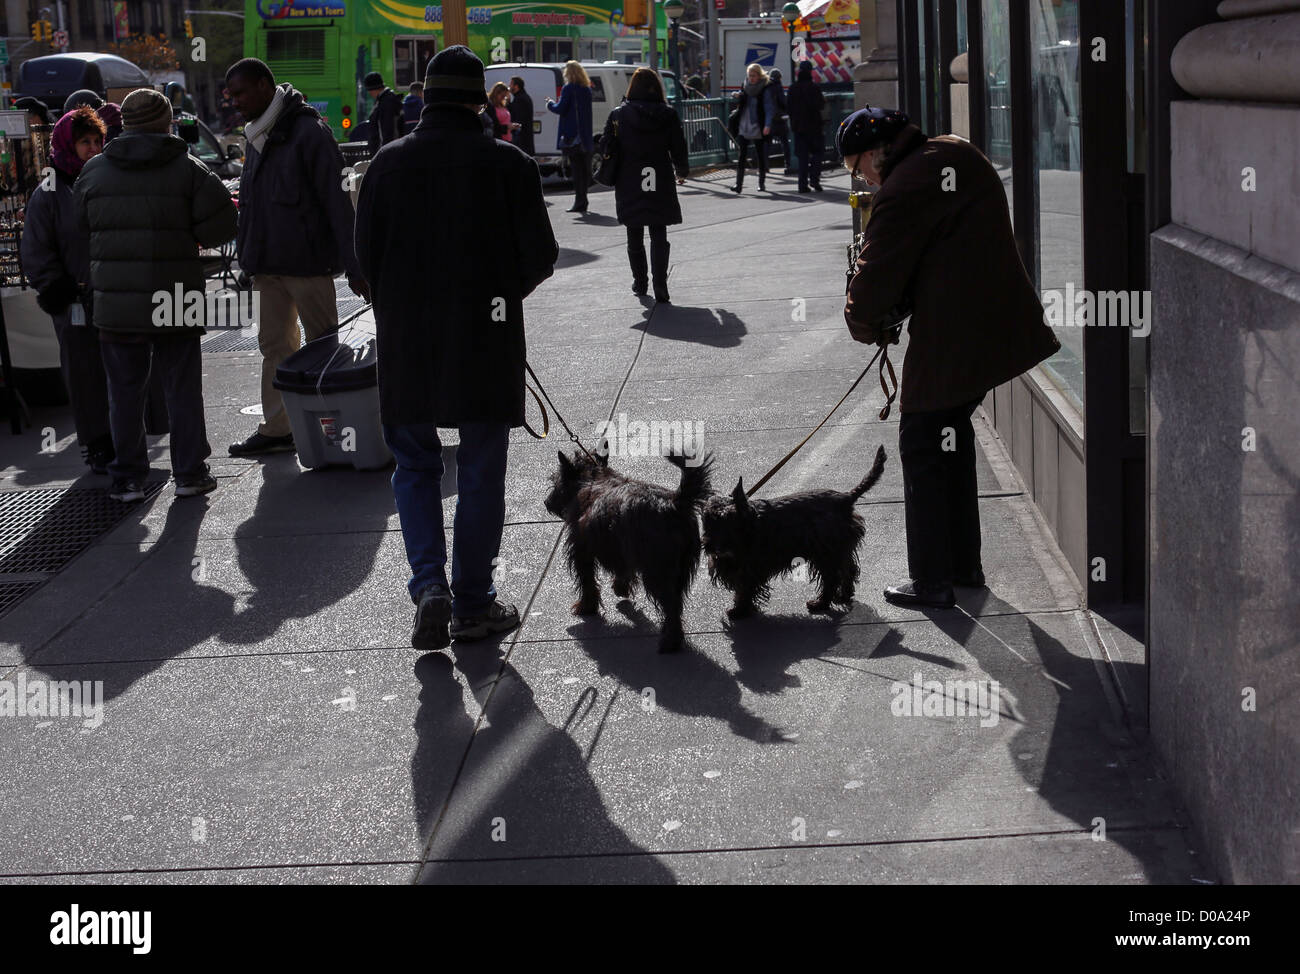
<point>875,80</point>
<point>960,95</point>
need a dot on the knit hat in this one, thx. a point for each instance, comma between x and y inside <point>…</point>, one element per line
<point>455,75</point>
<point>374,80</point>
<point>867,129</point>
<point>146,110</point>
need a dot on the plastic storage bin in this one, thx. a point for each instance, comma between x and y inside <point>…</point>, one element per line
<point>331,393</point>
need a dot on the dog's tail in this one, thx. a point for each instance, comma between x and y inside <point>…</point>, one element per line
<point>872,476</point>
<point>696,484</point>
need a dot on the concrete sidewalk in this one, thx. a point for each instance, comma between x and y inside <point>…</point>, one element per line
<point>267,721</point>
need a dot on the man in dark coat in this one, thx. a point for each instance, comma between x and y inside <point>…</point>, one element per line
<point>295,231</point>
<point>452,235</point>
<point>413,104</point>
<point>806,101</point>
<point>149,206</point>
<point>386,124</point>
<point>521,112</point>
<point>939,242</point>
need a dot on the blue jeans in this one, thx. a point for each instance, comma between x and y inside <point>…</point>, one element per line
<point>480,509</point>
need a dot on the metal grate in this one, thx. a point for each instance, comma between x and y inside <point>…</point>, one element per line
<point>234,340</point>
<point>11,593</point>
<point>42,530</point>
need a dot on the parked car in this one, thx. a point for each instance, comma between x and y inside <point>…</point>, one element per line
<point>52,78</point>
<point>206,147</point>
<point>609,81</point>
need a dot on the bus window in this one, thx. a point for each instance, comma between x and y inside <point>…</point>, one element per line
<point>410,59</point>
<point>593,48</point>
<point>557,49</point>
<point>523,49</point>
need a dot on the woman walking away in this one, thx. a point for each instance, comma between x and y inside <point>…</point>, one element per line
<point>652,152</point>
<point>806,101</point>
<point>502,127</point>
<point>56,260</point>
<point>755,112</point>
<point>574,109</point>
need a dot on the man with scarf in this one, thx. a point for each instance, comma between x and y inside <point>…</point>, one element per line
<point>56,261</point>
<point>295,231</point>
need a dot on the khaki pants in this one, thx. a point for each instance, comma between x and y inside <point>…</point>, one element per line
<point>282,301</point>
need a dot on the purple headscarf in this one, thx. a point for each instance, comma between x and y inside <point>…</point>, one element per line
<point>63,149</point>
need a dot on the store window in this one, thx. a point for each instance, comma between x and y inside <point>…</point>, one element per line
<point>997,87</point>
<point>1054,64</point>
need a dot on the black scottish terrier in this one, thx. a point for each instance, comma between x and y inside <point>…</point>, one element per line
<point>751,542</point>
<point>631,529</point>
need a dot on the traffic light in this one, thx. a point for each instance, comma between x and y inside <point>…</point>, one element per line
<point>634,13</point>
<point>42,30</point>
<point>189,27</point>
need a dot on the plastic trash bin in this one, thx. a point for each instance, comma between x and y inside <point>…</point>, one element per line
<point>331,393</point>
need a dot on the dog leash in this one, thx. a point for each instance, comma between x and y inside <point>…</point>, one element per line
<point>546,420</point>
<point>882,353</point>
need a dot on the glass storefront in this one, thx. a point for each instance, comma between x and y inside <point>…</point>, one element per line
<point>997,82</point>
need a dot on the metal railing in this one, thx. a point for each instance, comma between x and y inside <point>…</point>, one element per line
<point>708,142</point>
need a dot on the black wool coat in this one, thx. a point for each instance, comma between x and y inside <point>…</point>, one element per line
<point>939,238</point>
<point>521,111</point>
<point>649,137</point>
<point>452,235</point>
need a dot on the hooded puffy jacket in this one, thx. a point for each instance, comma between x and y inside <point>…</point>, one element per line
<point>148,206</point>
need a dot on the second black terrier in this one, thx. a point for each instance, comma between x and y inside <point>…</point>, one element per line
<point>749,543</point>
<point>631,529</point>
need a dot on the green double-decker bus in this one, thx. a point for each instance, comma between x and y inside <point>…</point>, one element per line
<point>325,48</point>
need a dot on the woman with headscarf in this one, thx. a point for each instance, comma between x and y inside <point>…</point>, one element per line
<point>111,113</point>
<point>55,253</point>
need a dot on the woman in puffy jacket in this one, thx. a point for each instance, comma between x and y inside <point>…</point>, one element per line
<point>651,163</point>
<point>56,261</point>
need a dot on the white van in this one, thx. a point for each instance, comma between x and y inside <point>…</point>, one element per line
<point>609,81</point>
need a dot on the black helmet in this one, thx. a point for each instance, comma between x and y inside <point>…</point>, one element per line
<point>867,129</point>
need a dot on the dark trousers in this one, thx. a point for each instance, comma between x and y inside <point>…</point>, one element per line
<point>83,374</point>
<point>659,249</point>
<point>178,361</point>
<point>580,163</point>
<point>480,510</point>
<point>940,496</point>
<point>760,150</point>
<point>809,151</point>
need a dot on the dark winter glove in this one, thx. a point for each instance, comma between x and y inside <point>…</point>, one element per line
<point>56,298</point>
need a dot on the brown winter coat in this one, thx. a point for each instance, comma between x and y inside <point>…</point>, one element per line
<point>942,244</point>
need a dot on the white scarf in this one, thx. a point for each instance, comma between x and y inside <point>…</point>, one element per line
<point>256,131</point>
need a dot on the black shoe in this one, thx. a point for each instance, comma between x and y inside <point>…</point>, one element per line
<point>919,593</point>
<point>99,454</point>
<point>639,288</point>
<point>257,445</point>
<point>498,618</point>
<point>200,483</point>
<point>803,189</point>
<point>126,491</point>
<point>762,187</point>
<point>735,189</point>
<point>431,618</point>
<point>661,294</point>
<point>817,187</point>
<point>973,579</point>
<point>576,209</point>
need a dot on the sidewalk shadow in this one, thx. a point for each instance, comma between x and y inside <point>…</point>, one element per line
<point>715,327</point>
<point>524,776</point>
<point>1071,773</point>
<point>285,587</point>
<point>688,683</point>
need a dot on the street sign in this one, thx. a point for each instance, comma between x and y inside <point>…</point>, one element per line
<point>720,4</point>
<point>13,125</point>
<point>60,38</point>
<point>4,50</point>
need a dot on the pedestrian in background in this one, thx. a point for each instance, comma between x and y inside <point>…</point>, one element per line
<point>413,104</point>
<point>649,136</point>
<point>502,123</point>
<point>457,362</point>
<point>574,137</point>
<point>386,123</point>
<point>295,231</point>
<point>149,207</point>
<point>521,113</point>
<point>752,123</point>
<point>56,261</point>
<point>806,101</point>
<point>111,113</point>
<point>948,257</point>
<point>780,123</point>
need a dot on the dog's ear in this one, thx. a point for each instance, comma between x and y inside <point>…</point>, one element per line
<point>738,495</point>
<point>566,465</point>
